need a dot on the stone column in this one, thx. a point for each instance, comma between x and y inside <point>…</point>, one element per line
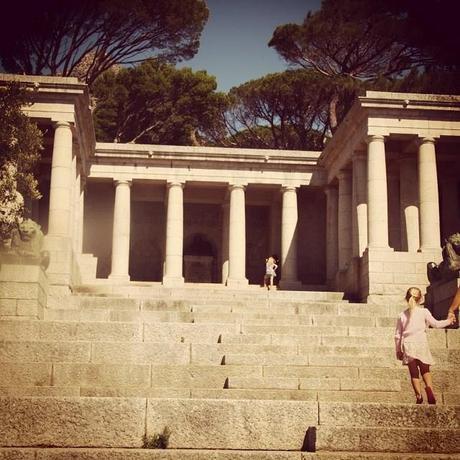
<point>121,231</point>
<point>61,182</point>
<point>332,243</point>
<point>237,237</point>
<point>377,200</point>
<point>408,180</point>
<point>225,238</point>
<point>174,235</point>
<point>359,223</point>
<point>430,235</point>
<point>344,219</point>
<point>78,216</point>
<point>289,218</point>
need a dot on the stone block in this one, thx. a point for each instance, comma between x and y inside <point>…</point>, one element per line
<point>364,310</point>
<point>20,374</point>
<point>388,415</point>
<point>29,352</point>
<point>452,398</point>
<point>357,396</point>
<point>266,359</point>
<point>294,330</point>
<point>226,424</point>
<point>370,384</point>
<point>159,454</point>
<point>91,331</point>
<point>215,353</point>
<point>259,394</point>
<point>183,332</point>
<point>16,454</point>
<point>19,330</point>
<point>134,392</point>
<point>77,315</point>
<point>19,391</point>
<point>274,383</point>
<point>261,339</point>
<point>386,440</point>
<point>196,376</point>
<point>101,375</point>
<point>453,338</point>
<point>290,340</point>
<point>347,361</point>
<point>111,303</point>
<point>67,422</point>
<point>15,290</point>
<point>310,371</point>
<point>315,383</point>
<point>140,353</point>
<point>318,309</point>
<point>357,321</point>
<point>8,307</point>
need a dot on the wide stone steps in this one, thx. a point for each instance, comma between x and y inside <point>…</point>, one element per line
<point>229,424</point>
<point>201,454</point>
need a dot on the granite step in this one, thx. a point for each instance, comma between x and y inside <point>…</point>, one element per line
<point>201,454</point>
<point>229,424</point>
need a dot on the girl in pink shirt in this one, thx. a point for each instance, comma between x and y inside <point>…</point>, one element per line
<point>412,343</point>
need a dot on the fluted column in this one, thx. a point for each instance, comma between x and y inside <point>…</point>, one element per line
<point>225,238</point>
<point>289,220</point>
<point>344,219</point>
<point>174,235</point>
<point>377,201</point>
<point>332,242</point>
<point>430,236</point>
<point>121,231</point>
<point>359,223</point>
<point>394,213</point>
<point>237,237</point>
<point>408,183</point>
<point>61,184</point>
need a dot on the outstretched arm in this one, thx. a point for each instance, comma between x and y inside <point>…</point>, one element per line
<point>436,323</point>
<point>454,305</point>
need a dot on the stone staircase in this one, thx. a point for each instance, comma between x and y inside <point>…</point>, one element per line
<point>245,374</point>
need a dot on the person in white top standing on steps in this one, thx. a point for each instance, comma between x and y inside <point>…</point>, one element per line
<point>411,343</point>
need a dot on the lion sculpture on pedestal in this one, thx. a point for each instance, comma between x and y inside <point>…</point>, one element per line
<point>450,265</point>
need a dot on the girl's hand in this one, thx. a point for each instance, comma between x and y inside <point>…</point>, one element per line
<point>451,316</point>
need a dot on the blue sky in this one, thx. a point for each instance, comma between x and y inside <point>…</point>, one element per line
<point>234,41</point>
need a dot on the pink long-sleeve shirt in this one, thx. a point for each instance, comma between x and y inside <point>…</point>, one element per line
<point>412,328</point>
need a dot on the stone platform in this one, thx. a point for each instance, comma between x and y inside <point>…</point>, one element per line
<point>248,374</point>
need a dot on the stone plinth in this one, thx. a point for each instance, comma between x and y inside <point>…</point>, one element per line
<point>439,296</point>
<point>23,287</point>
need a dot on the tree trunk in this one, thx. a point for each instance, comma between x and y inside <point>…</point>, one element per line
<point>333,112</point>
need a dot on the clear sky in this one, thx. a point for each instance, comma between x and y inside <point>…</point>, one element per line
<point>234,41</point>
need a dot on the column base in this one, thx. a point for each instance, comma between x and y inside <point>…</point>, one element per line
<point>173,281</point>
<point>236,282</point>
<point>290,285</point>
<point>119,277</point>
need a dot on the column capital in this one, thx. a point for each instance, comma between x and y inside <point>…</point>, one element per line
<point>175,183</point>
<point>329,189</point>
<point>289,188</point>
<point>236,187</point>
<point>62,124</point>
<point>117,182</point>
<point>426,139</point>
<point>375,138</point>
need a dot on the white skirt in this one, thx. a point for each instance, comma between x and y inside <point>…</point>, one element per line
<point>417,350</point>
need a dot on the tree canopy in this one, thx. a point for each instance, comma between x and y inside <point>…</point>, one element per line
<point>87,37</point>
<point>286,110</point>
<point>156,103</point>
<point>356,43</point>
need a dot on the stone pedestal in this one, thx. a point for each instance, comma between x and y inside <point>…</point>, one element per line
<point>439,296</point>
<point>23,287</point>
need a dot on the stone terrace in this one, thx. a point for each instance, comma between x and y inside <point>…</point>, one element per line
<point>233,374</point>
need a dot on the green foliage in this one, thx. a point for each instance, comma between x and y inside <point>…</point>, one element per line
<point>20,147</point>
<point>87,37</point>
<point>156,103</point>
<point>158,440</point>
<point>286,110</point>
<point>375,44</point>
